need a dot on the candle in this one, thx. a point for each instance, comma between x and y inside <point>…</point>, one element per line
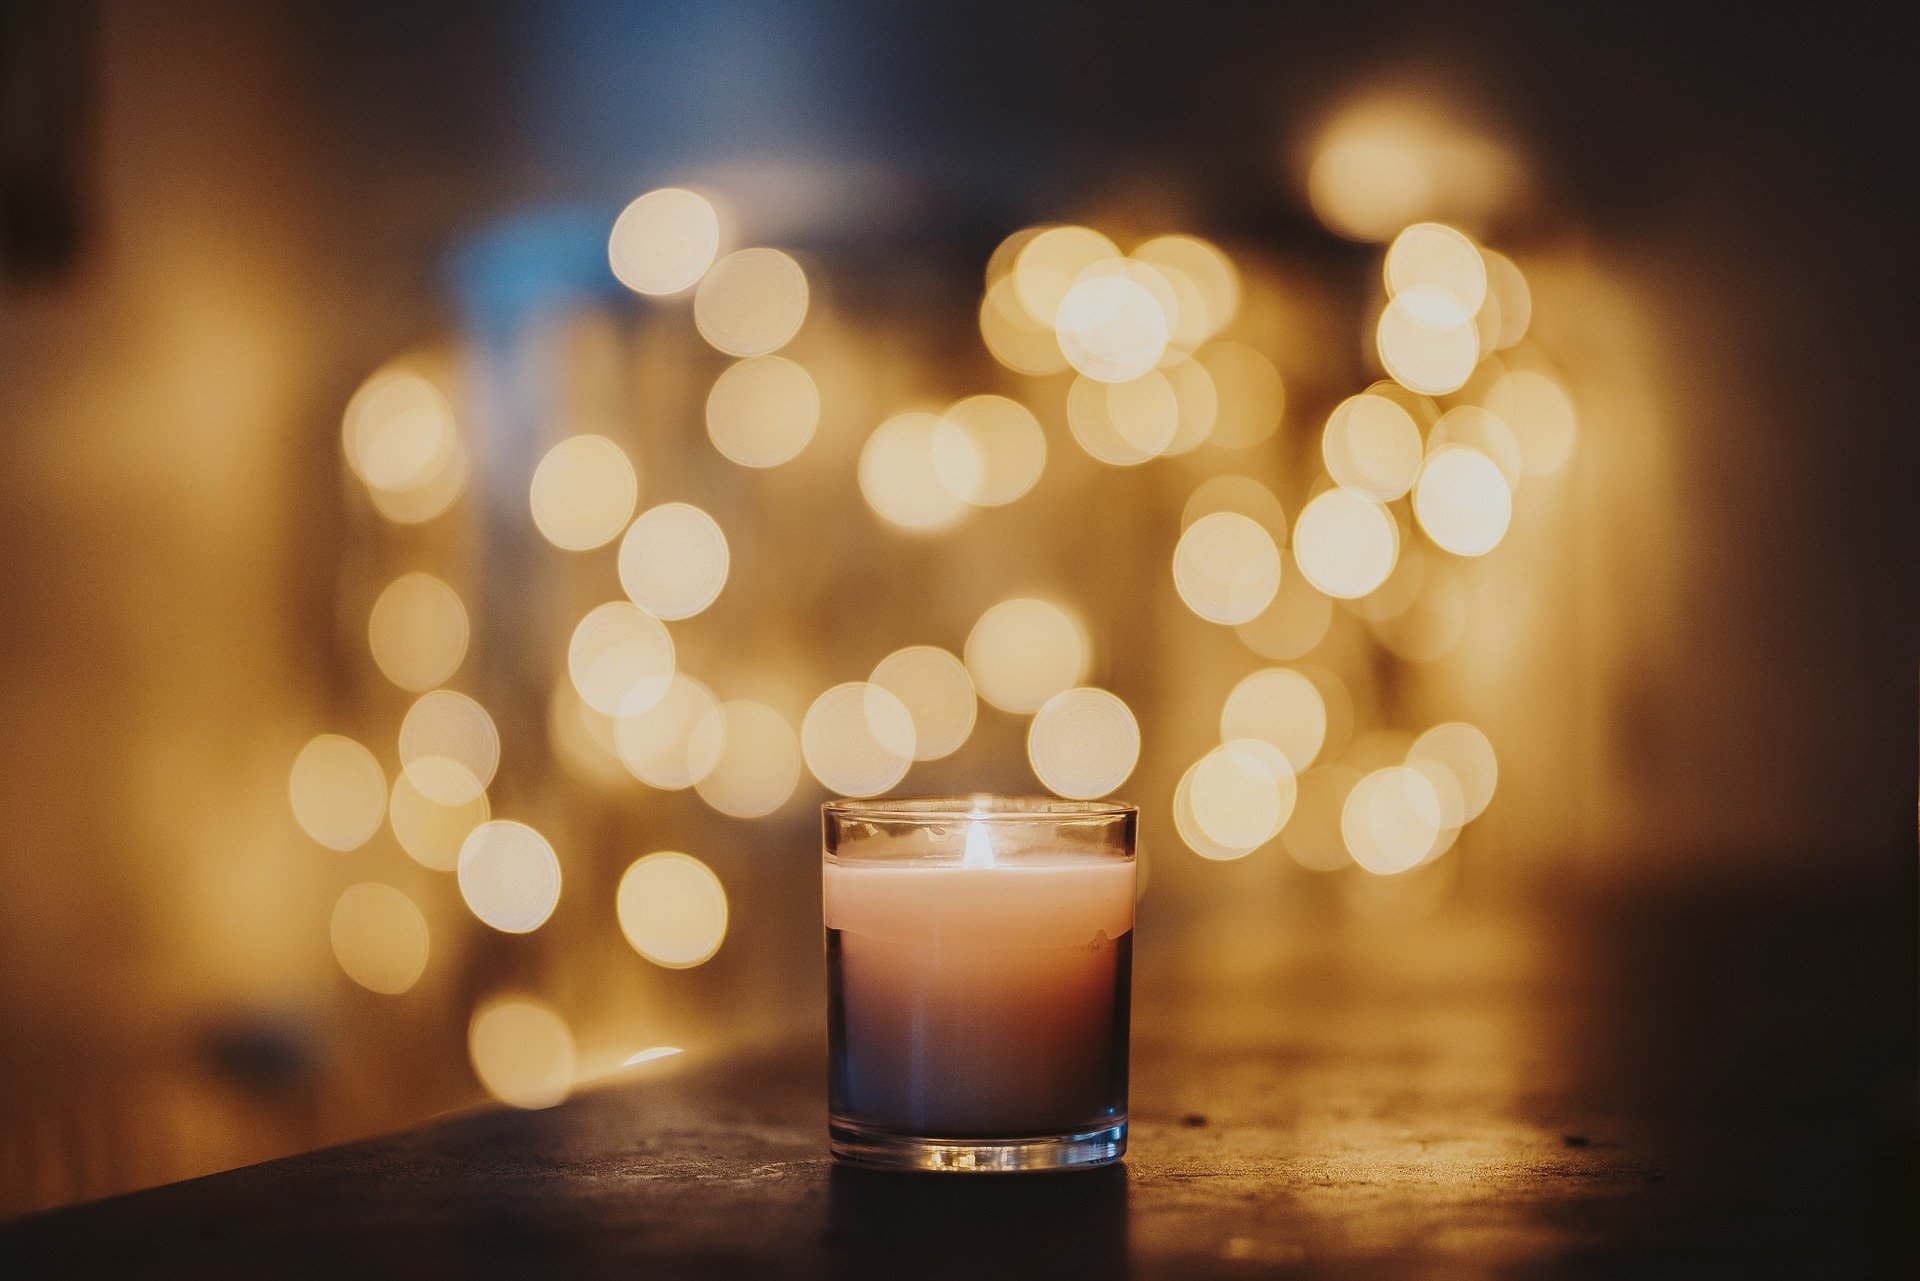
<point>979,955</point>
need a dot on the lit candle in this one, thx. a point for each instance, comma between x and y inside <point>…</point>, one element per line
<point>980,955</point>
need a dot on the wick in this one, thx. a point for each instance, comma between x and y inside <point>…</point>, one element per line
<point>979,847</point>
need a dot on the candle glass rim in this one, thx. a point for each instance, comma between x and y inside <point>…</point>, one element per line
<point>983,808</point>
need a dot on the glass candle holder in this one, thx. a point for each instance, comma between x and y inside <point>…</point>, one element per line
<point>979,962</point>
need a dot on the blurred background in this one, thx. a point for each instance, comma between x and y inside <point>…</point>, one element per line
<point>452,452</point>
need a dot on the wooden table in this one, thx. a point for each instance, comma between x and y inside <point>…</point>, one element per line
<point>1702,1086</point>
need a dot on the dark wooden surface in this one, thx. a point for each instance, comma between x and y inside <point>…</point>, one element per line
<point>1697,1087</point>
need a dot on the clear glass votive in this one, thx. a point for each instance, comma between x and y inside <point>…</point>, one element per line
<point>979,968</point>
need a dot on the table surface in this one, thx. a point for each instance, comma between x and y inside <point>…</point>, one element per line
<point>1696,1086</point>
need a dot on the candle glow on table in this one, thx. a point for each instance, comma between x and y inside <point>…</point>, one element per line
<point>980,965</point>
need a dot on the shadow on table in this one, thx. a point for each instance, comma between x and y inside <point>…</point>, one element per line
<point>939,1225</point>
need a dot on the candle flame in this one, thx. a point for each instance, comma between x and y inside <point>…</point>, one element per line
<point>979,847</point>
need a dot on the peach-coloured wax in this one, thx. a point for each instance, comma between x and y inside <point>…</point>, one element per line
<point>982,1000</point>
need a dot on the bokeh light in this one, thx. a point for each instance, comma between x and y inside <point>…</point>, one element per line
<point>522,1051</point>
<point>913,477</point>
<point>1205,285</point>
<point>1015,338</point>
<point>1345,543</point>
<point>938,694</point>
<point>1197,400</point>
<point>1391,820</point>
<point>762,411</point>
<point>1250,397</point>
<point>1541,417</point>
<point>1226,567</point>
<point>338,791</point>
<point>674,560</point>
<point>1483,430</point>
<point>1372,445</point>
<point>758,764</point>
<point>1083,743</point>
<point>751,303</point>
<point>659,746</point>
<point>1509,298</point>
<point>1021,652</point>
<point>1280,706</point>
<point>429,830</point>
<point>673,909</point>
<point>1237,797</point>
<point>583,493</point>
<point>1126,423</point>
<point>379,938</point>
<point>620,659</point>
<point>1462,501</point>
<point>399,431</point>
<point>418,632</point>
<point>1050,262</point>
<point>664,241</point>
<point>1427,341</point>
<point>989,450</point>
<point>509,876</point>
<point>445,726</point>
<point>858,739</point>
<point>431,498</point>
<point>1242,494</point>
<point>1113,323</point>
<point>1466,754</point>
<point>582,738</point>
<point>1431,256</point>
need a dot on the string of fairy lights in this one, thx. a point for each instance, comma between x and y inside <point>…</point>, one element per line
<point>1419,471</point>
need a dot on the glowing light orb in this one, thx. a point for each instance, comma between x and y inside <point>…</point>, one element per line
<point>430,831</point>
<point>1509,297</point>
<point>857,739</point>
<point>915,478</point>
<point>620,659</point>
<point>762,411</point>
<point>751,303</point>
<point>673,909</point>
<point>338,792</point>
<point>1050,262</point>
<point>1483,430</point>
<point>1083,743</point>
<point>938,694</point>
<point>443,725</point>
<point>1226,567</point>
<point>988,450</point>
<point>1345,543</point>
<point>1391,820</point>
<point>1239,796</point>
<point>1014,338</point>
<point>379,938</point>
<point>399,432</point>
<point>758,765</point>
<point>1206,286</point>
<point>1466,754</point>
<point>1280,706</point>
<point>674,561</point>
<point>1428,342</point>
<point>1113,323</point>
<point>1127,423</point>
<point>522,1051</point>
<point>1021,652</point>
<point>1373,446</point>
<point>659,746</point>
<point>1541,417</point>
<point>418,632</point>
<point>1430,255</point>
<point>664,241</point>
<point>509,876</point>
<point>1462,501</point>
<point>583,493</point>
